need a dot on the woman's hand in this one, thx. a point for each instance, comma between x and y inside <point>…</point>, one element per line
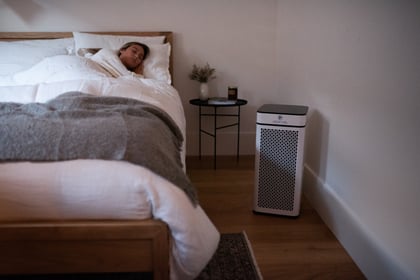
<point>139,69</point>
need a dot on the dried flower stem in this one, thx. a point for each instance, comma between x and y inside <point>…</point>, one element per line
<point>202,74</point>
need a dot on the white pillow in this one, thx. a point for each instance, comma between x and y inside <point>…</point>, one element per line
<point>112,42</point>
<point>156,65</point>
<point>16,56</point>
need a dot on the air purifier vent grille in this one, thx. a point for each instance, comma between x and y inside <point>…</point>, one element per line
<point>277,172</point>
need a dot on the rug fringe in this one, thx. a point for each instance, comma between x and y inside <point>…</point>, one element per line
<point>252,255</point>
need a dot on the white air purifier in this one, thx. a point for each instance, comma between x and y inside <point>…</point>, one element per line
<point>279,159</point>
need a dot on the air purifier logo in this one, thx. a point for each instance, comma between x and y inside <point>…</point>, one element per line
<point>280,120</point>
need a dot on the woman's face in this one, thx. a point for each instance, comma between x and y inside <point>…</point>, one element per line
<point>132,56</point>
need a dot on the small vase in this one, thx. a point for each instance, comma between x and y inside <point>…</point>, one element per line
<point>204,91</point>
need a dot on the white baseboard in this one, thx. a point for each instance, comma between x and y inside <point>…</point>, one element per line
<point>373,259</point>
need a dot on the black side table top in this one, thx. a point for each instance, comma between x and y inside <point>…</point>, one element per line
<point>198,102</point>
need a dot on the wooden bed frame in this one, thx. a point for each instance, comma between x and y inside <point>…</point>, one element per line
<point>48,247</point>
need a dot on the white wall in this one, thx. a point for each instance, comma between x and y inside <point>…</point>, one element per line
<point>355,63</point>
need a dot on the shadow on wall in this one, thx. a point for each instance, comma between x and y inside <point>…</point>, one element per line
<point>316,143</point>
<point>26,10</point>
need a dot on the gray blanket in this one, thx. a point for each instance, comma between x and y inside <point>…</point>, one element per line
<point>81,126</point>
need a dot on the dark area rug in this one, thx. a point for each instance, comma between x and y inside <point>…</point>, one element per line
<point>233,259</point>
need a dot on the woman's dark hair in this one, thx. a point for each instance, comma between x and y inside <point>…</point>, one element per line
<point>129,44</point>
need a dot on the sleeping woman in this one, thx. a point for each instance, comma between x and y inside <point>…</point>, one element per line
<point>132,55</point>
<point>127,61</point>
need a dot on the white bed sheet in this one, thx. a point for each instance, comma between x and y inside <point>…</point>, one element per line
<point>100,189</point>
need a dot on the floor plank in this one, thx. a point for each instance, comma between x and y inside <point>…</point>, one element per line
<point>285,247</point>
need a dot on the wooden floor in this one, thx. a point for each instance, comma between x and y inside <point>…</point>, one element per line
<point>284,247</point>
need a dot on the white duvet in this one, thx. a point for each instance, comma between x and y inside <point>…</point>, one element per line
<point>100,189</point>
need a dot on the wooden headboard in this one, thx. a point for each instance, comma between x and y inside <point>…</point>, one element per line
<point>14,36</point>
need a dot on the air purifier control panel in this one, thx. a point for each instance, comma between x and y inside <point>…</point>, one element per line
<point>284,115</point>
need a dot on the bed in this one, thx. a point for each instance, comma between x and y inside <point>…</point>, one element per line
<point>85,214</point>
